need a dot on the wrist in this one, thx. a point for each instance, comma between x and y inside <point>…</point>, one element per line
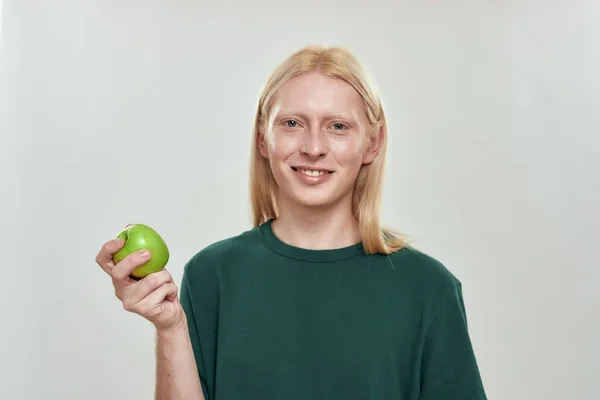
<point>176,331</point>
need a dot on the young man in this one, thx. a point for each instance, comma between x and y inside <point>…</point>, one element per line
<point>317,300</point>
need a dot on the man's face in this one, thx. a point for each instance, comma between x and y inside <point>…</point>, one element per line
<point>317,140</point>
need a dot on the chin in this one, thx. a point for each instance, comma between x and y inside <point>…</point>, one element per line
<point>316,204</point>
<point>313,200</point>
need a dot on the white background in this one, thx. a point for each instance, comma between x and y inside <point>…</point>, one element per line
<point>140,111</point>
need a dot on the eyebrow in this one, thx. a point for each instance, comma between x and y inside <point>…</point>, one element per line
<point>334,115</point>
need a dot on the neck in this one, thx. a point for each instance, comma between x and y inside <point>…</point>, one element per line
<point>317,229</point>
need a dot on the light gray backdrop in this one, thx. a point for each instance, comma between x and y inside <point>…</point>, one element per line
<point>140,111</point>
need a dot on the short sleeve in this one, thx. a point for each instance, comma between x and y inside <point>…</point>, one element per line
<point>449,367</point>
<point>199,299</point>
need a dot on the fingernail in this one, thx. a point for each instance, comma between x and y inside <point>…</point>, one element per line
<point>118,242</point>
<point>145,254</point>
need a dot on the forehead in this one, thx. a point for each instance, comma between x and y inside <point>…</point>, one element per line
<point>316,93</point>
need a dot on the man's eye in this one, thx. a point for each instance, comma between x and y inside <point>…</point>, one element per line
<point>339,126</point>
<point>291,123</point>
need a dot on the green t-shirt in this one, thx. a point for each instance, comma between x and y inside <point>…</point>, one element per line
<point>269,321</point>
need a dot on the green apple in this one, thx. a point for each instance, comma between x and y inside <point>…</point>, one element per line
<point>138,237</point>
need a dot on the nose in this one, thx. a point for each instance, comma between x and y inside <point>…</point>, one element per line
<point>313,144</point>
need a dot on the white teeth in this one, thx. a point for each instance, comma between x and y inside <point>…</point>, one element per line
<point>311,173</point>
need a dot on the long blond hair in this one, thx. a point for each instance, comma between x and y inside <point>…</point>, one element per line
<point>339,63</point>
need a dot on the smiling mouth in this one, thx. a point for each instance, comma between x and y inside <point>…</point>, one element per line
<point>312,172</point>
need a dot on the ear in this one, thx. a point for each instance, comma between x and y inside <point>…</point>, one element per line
<point>262,144</point>
<point>373,146</point>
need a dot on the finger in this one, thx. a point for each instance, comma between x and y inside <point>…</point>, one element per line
<point>123,269</point>
<point>172,296</point>
<point>139,290</point>
<point>104,258</point>
<point>152,301</point>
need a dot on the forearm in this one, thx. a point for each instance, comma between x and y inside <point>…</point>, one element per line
<point>176,371</point>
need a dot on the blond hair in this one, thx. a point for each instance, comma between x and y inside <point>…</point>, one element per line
<point>366,203</point>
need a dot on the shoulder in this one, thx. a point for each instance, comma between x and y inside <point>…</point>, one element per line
<point>223,252</point>
<point>424,270</point>
<point>425,280</point>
